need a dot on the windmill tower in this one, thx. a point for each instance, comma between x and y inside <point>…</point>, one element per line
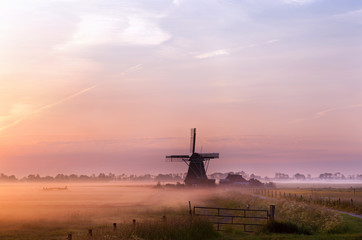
<point>196,174</point>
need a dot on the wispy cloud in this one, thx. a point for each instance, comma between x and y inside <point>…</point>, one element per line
<point>131,27</point>
<point>176,2</point>
<point>354,16</point>
<point>132,69</point>
<point>299,2</point>
<point>227,51</point>
<point>326,111</point>
<point>213,54</point>
<point>272,41</point>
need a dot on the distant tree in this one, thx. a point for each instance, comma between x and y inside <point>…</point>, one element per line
<point>164,177</point>
<point>281,176</point>
<point>299,176</point>
<point>84,178</point>
<point>73,177</point>
<point>48,178</point>
<point>326,176</point>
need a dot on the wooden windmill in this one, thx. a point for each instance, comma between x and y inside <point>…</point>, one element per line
<point>196,174</point>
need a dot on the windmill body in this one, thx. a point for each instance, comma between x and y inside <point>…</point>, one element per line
<point>196,174</point>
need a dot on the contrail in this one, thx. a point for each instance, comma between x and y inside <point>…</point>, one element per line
<point>324,112</point>
<point>19,120</point>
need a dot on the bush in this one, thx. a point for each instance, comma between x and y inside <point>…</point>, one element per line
<point>284,227</point>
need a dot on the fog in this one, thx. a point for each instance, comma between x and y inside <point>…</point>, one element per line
<point>91,202</point>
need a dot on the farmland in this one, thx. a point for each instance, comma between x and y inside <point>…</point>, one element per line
<point>28,211</point>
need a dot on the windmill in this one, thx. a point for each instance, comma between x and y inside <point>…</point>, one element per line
<point>196,174</point>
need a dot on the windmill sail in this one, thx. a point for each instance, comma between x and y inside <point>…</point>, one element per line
<point>192,140</point>
<point>210,155</point>
<point>177,158</point>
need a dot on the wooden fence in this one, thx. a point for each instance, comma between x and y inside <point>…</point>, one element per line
<point>249,219</point>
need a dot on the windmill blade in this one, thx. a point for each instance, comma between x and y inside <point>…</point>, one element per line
<point>209,155</point>
<point>177,158</point>
<point>193,140</point>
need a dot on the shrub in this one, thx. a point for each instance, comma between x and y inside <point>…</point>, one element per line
<point>284,227</point>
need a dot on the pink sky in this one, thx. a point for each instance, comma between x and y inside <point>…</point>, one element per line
<point>89,87</point>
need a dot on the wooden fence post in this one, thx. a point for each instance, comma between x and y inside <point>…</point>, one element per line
<point>190,211</point>
<point>69,236</point>
<point>90,232</point>
<point>114,226</point>
<point>272,212</point>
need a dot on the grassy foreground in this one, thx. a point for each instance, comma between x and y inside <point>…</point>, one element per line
<point>294,220</point>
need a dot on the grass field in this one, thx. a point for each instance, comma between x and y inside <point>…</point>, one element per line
<point>29,212</point>
<point>345,199</point>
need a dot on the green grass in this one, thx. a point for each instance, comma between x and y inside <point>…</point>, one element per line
<point>176,228</point>
<point>352,230</point>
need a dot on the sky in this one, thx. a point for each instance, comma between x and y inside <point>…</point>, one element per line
<point>90,86</point>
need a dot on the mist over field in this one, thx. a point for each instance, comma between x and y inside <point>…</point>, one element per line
<point>102,202</point>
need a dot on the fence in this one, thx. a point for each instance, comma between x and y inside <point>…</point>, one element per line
<point>309,198</point>
<point>250,219</point>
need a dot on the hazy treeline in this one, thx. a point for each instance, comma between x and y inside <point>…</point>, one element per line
<point>323,176</point>
<point>173,177</point>
<point>94,177</point>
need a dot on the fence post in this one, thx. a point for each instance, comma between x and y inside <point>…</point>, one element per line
<point>351,201</point>
<point>272,212</point>
<point>69,236</point>
<point>114,226</point>
<point>90,232</point>
<point>190,211</point>
<point>164,218</point>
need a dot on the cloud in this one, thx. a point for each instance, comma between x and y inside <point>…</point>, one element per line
<point>176,2</point>
<point>213,54</point>
<point>298,2</point>
<point>350,16</point>
<point>227,51</point>
<point>133,27</point>
<point>272,41</point>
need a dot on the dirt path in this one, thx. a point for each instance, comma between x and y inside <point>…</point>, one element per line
<point>348,213</point>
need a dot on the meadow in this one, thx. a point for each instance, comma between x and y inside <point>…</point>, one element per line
<point>51,211</point>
